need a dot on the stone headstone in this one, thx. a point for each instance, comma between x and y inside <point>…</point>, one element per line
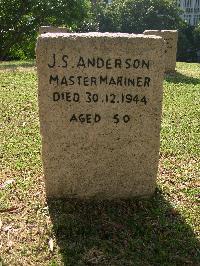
<point>100,102</point>
<point>171,39</point>
<point>51,29</point>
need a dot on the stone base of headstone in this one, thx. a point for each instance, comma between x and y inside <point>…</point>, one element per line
<point>171,39</point>
<point>100,105</point>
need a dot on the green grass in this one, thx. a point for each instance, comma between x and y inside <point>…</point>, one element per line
<point>163,230</point>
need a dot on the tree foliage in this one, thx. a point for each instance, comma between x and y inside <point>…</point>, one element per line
<point>139,15</point>
<point>197,36</point>
<point>189,43</point>
<point>20,19</point>
<point>135,16</point>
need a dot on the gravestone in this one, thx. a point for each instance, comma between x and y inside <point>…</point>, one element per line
<point>100,102</point>
<point>52,29</point>
<point>171,39</point>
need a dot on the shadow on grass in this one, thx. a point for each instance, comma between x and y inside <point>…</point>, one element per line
<point>177,77</point>
<point>14,66</point>
<point>122,232</point>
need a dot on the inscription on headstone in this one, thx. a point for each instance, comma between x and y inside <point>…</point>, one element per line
<point>171,39</point>
<point>100,102</point>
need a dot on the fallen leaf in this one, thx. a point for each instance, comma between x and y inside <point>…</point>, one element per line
<point>1,224</point>
<point>7,228</point>
<point>7,183</point>
<point>10,243</point>
<point>51,244</point>
<point>9,209</point>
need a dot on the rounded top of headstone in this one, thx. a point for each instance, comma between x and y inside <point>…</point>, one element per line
<point>173,31</point>
<point>98,35</point>
<point>52,29</point>
<point>46,27</point>
<point>152,31</point>
<point>160,31</point>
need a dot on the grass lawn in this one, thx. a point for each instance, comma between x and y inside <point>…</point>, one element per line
<point>163,230</point>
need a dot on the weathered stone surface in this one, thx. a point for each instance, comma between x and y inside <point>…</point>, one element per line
<point>51,29</point>
<point>171,38</point>
<point>100,102</point>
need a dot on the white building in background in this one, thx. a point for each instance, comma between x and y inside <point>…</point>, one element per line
<point>191,9</point>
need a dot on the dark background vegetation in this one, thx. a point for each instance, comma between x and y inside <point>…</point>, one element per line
<point>21,19</point>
